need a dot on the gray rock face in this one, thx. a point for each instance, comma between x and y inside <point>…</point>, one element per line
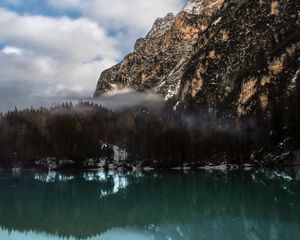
<point>232,57</point>
<point>158,60</point>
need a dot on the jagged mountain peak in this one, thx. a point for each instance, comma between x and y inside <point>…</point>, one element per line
<point>197,7</point>
<point>193,7</point>
<point>228,56</point>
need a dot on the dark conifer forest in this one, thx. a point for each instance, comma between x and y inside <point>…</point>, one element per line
<point>163,138</point>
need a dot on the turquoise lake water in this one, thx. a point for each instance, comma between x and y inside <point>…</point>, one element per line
<point>233,205</point>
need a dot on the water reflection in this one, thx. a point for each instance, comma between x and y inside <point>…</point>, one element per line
<point>98,205</point>
<point>52,176</point>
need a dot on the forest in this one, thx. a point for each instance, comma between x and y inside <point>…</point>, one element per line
<point>165,138</point>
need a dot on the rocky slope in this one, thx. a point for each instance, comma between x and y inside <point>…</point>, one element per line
<point>234,59</point>
<point>228,56</point>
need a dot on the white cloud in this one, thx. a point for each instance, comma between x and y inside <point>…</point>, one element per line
<point>61,57</point>
<point>129,18</point>
<point>139,14</point>
<point>131,13</point>
<point>79,39</point>
<point>30,79</point>
<point>8,50</point>
<point>52,76</point>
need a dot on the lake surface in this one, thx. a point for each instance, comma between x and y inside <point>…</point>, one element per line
<point>233,205</point>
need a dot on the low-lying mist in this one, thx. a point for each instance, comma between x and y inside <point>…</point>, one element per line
<point>126,98</point>
<point>114,100</point>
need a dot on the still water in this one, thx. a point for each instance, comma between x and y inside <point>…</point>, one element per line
<point>232,205</point>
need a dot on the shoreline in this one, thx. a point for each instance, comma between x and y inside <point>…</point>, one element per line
<point>221,168</point>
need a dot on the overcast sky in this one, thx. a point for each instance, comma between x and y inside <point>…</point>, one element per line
<point>56,49</point>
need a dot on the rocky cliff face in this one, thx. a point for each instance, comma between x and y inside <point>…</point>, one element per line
<point>232,57</point>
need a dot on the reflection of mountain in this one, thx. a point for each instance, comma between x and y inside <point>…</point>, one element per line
<point>165,205</point>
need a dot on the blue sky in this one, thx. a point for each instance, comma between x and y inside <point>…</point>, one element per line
<point>37,7</point>
<point>56,49</point>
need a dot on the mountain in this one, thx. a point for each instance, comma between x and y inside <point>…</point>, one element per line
<point>223,54</point>
<point>234,59</point>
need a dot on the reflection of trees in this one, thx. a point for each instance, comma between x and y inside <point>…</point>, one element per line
<point>74,207</point>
